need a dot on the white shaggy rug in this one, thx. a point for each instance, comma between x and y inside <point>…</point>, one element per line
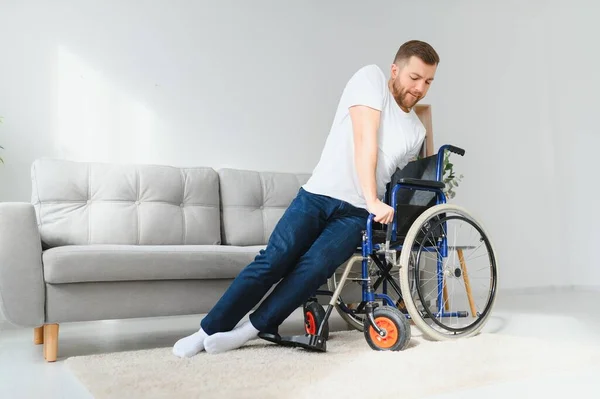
<point>348,369</point>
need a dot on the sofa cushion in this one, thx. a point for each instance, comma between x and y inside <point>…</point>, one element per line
<point>253,202</point>
<point>97,263</point>
<point>81,203</point>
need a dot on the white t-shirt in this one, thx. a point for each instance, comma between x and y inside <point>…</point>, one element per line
<point>399,140</point>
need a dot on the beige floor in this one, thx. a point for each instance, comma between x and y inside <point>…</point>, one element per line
<point>562,315</point>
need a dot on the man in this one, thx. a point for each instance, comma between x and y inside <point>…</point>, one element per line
<point>374,132</point>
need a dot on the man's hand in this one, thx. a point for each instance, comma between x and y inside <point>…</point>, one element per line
<point>383,212</point>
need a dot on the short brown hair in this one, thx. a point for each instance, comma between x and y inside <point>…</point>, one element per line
<point>419,49</point>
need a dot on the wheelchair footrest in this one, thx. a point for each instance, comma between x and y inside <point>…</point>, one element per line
<point>306,341</point>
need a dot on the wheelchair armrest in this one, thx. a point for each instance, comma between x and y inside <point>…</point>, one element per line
<point>422,183</point>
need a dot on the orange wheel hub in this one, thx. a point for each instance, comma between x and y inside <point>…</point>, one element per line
<point>391,336</point>
<point>311,325</point>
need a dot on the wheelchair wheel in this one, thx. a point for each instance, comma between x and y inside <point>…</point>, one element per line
<point>314,316</point>
<point>396,327</point>
<point>453,264</point>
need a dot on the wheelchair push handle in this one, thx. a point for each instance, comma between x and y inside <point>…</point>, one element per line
<point>440,158</point>
<point>456,150</point>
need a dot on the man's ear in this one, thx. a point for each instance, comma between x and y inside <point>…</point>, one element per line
<point>395,70</point>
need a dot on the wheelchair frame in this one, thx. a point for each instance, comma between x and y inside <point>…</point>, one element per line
<point>370,252</point>
<point>369,249</point>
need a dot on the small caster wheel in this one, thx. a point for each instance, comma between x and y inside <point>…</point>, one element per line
<point>396,328</point>
<point>314,315</point>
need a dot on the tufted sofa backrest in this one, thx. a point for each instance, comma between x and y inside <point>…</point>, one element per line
<point>80,203</point>
<point>253,202</point>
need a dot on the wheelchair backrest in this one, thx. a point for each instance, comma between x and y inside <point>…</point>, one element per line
<point>425,169</point>
<point>412,203</point>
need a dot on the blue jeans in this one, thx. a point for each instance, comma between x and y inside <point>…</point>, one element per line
<point>315,235</point>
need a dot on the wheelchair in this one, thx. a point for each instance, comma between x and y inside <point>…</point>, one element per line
<point>434,266</point>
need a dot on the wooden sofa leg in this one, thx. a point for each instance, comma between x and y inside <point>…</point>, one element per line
<point>50,342</point>
<point>38,335</point>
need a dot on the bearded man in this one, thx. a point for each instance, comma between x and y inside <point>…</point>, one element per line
<point>375,131</point>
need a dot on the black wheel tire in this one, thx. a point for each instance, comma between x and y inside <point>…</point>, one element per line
<point>314,315</point>
<point>395,323</point>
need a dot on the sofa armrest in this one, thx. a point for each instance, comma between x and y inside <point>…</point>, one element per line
<point>22,290</point>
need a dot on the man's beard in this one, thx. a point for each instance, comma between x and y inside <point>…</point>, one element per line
<point>403,97</point>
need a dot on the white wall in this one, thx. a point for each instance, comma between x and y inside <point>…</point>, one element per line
<point>255,84</point>
<point>576,84</point>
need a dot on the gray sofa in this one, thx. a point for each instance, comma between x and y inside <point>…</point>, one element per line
<point>106,241</point>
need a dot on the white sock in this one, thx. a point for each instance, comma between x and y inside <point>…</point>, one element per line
<point>190,345</point>
<point>226,341</point>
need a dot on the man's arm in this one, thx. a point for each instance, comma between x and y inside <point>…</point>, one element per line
<point>365,124</point>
